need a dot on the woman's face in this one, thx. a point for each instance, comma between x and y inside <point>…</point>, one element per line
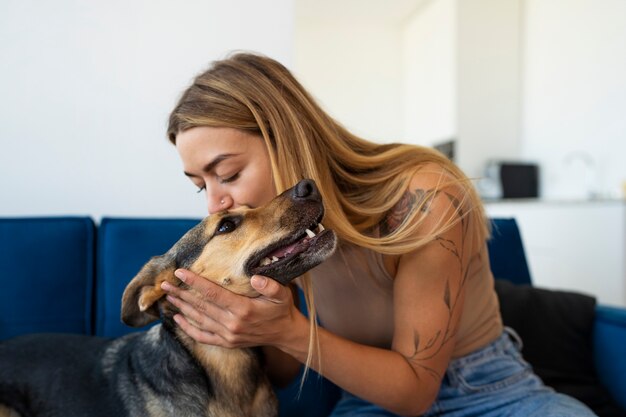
<point>232,166</point>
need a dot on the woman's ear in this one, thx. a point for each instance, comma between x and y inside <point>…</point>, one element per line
<point>144,290</point>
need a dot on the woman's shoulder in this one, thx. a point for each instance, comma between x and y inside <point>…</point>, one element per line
<point>427,184</point>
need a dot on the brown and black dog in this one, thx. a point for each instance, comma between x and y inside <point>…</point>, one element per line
<point>163,372</point>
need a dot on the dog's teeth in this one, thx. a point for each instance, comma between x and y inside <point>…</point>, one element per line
<point>274,259</point>
<point>310,233</point>
<point>320,228</point>
<point>266,261</point>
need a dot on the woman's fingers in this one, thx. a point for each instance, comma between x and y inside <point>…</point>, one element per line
<point>270,289</point>
<point>200,326</point>
<point>201,336</point>
<point>214,315</point>
<point>194,315</point>
<point>194,300</point>
<point>209,291</point>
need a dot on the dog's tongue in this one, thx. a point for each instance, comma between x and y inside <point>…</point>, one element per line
<point>289,249</point>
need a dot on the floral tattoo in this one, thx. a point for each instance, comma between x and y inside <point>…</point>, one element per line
<point>403,208</point>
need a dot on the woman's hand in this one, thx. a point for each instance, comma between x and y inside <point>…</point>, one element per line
<point>216,316</point>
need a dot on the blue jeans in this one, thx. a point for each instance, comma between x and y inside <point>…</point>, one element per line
<point>491,382</point>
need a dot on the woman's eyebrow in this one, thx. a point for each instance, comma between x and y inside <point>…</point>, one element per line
<point>211,165</point>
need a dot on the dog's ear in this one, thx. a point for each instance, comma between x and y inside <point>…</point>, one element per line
<point>140,296</point>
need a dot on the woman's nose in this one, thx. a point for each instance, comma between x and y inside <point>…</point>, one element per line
<point>218,202</point>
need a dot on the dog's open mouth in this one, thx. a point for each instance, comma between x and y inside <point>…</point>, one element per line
<point>291,257</point>
<point>301,244</point>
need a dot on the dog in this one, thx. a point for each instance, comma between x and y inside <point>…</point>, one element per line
<point>162,371</point>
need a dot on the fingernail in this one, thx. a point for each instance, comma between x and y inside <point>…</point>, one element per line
<point>258,282</point>
<point>177,318</point>
<point>166,286</point>
<point>180,275</point>
<point>170,299</point>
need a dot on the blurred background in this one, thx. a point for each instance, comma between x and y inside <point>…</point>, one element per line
<point>527,96</point>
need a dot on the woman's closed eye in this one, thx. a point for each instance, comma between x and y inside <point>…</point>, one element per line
<point>220,179</point>
<point>227,179</point>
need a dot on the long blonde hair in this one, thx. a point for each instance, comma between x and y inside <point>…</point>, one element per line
<point>360,181</point>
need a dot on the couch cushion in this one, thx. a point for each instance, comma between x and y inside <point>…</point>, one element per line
<point>46,267</point>
<point>124,246</point>
<point>556,328</point>
<point>609,334</point>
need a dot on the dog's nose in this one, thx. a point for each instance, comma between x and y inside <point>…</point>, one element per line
<point>306,190</point>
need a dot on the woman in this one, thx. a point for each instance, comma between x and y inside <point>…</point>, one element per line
<point>409,318</point>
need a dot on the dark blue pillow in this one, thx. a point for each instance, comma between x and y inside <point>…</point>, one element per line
<point>556,328</point>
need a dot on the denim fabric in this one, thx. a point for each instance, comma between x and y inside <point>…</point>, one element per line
<point>491,382</point>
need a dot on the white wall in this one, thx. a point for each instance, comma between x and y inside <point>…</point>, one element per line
<point>575,95</point>
<point>535,81</point>
<point>448,69</point>
<point>86,89</point>
<point>529,80</point>
<point>488,80</point>
<point>462,80</point>
<point>348,54</point>
<point>429,73</point>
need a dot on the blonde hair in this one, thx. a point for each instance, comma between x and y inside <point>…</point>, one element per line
<point>360,181</point>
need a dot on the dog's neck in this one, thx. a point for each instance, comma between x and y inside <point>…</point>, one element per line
<point>231,374</point>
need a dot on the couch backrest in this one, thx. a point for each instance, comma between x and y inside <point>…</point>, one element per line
<point>506,252</point>
<point>124,246</point>
<point>51,268</point>
<point>46,271</point>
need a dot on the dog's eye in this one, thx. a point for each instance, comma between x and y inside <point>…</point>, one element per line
<point>226,226</point>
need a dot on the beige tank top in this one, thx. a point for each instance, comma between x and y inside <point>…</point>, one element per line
<point>354,297</point>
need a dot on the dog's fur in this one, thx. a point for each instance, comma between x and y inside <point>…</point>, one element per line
<point>163,372</point>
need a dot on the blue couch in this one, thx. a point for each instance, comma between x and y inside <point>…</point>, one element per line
<point>576,346</point>
<point>67,274</point>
